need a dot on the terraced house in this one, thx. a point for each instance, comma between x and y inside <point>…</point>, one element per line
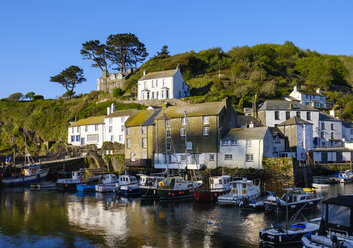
<point>189,135</point>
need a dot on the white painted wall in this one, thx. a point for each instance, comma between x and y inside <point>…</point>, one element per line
<point>86,132</point>
<point>115,129</point>
<point>327,130</point>
<point>347,133</point>
<point>177,163</point>
<point>308,99</point>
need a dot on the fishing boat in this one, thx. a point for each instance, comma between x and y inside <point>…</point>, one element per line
<point>279,235</point>
<point>149,186</point>
<point>176,188</point>
<point>128,185</point>
<point>29,174</point>
<point>85,187</point>
<point>109,184</point>
<point>336,227</point>
<point>213,188</point>
<point>69,183</point>
<point>43,186</point>
<point>240,190</point>
<point>293,200</point>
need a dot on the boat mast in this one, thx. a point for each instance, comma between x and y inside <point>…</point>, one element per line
<point>165,140</point>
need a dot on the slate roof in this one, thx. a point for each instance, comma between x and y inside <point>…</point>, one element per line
<point>141,118</point>
<point>309,93</point>
<point>89,121</point>
<point>159,74</point>
<point>192,110</point>
<point>243,120</point>
<point>327,117</point>
<point>294,121</point>
<point>118,113</point>
<point>246,133</point>
<point>284,105</point>
<point>348,124</point>
<point>275,131</point>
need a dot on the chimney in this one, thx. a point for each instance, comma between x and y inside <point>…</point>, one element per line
<point>333,112</point>
<point>130,70</point>
<point>296,88</point>
<point>319,91</point>
<point>108,110</point>
<point>251,125</point>
<point>254,107</point>
<point>144,72</point>
<point>112,108</point>
<point>104,74</point>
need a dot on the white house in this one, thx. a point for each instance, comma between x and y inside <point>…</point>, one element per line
<point>115,124</point>
<point>246,147</point>
<point>162,85</point>
<point>347,131</point>
<point>313,99</point>
<point>89,131</point>
<point>330,131</point>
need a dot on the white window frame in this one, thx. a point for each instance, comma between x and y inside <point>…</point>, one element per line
<point>144,143</point>
<point>249,158</point>
<point>205,131</point>
<point>205,120</point>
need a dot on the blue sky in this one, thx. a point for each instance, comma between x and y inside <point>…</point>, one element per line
<point>39,38</point>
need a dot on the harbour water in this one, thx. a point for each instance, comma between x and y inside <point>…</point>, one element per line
<point>56,219</point>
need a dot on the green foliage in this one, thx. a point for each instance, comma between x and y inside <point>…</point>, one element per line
<point>164,52</point>
<point>29,95</point>
<point>37,97</point>
<point>15,97</point>
<point>117,92</point>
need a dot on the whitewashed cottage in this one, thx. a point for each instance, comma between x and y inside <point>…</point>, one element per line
<point>313,99</point>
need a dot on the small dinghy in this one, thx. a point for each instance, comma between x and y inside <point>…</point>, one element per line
<point>43,186</point>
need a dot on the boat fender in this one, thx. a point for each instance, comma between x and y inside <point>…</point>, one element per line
<point>234,191</point>
<point>161,184</point>
<point>245,191</point>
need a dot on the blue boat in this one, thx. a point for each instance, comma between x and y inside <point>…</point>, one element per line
<point>85,187</point>
<point>29,174</point>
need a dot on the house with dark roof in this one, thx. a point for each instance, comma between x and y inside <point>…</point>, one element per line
<point>162,85</point>
<point>89,131</point>
<point>314,99</point>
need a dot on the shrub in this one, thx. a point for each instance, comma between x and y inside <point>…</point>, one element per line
<point>37,97</point>
<point>117,92</point>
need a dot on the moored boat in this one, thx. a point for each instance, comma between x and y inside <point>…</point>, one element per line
<point>70,182</point>
<point>176,188</point>
<point>213,188</point>
<point>85,187</point>
<point>240,190</point>
<point>109,184</point>
<point>29,174</point>
<point>128,185</point>
<point>149,186</point>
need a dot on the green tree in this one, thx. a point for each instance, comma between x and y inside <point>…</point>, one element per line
<point>15,97</point>
<point>117,92</point>
<point>164,51</point>
<point>69,78</point>
<point>125,50</point>
<point>95,51</point>
<point>29,95</point>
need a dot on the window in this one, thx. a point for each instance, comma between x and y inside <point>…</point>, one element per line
<point>298,114</point>
<point>110,120</point>
<point>183,121</point>
<point>110,129</point>
<point>205,131</point>
<point>120,138</point>
<point>72,138</point>
<point>322,135</point>
<point>157,95</point>
<point>287,115</point>
<point>332,135</point>
<point>152,83</point>
<point>169,146</point>
<point>127,131</point>
<point>275,149</point>
<point>234,142</point>
<point>308,116</point>
<point>111,138</point>
<point>322,126</point>
<point>228,157</point>
<point>162,94</point>
<point>152,95</point>
<point>123,119</point>
<point>168,133</point>
<point>189,145</point>
<point>352,131</point>
<point>183,158</point>
<point>339,215</point>
<point>77,138</point>
<point>225,142</point>
<point>249,157</point>
<point>157,83</point>
<point>276,115</point>
<point>182,131</point>
<point>248,143</point>
<point>144,155</point>
<point>167,122</point>
<point>86,128</point>
<point>95,127</point>
<point>132,157</point>
<point>78,129</point>
<point>205,120</point>
<point>122,128</point>
<point>166,94</point>
<point>128,143</point>
<point>323,144</point>
<point>332,126</point>
<point>211,157</point>
<point>144,129</point>
<point>144,142</point>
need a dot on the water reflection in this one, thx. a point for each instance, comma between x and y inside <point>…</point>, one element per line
<point>52,219</point>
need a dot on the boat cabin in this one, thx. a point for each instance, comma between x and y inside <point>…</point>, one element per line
<point>337,217</point>
<point>220,183</point>
<point>242,187</point>
<point>30,170</point>
<point>296,195</point>
<point>126,179</point>
<point>150,180</point>
<point>109,178</point>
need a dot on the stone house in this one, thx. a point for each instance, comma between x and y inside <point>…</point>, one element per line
<point>115,124</point>
<point>298,134</point>
<point>162,85</point>
<point>107,82</point>
<point>246,147</point>
<point>139,141</point>
<point>89,131</point>
<point>312,99</point>
<point>189,135</point>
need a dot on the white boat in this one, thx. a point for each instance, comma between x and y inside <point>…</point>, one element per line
<point>109,184</point>
<point>213,188</point>
<point>336,227</point>
<point>321,186</point>
<point>29,174</point>
<point>241,189</point>
<point>69,182</point>
<point>149,185</point>
<point>128,185</point>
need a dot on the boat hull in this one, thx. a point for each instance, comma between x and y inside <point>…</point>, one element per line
<point>24,180</point>
<point>66,186</point>
<point>149,192</point>
<point>85,187</point>
<point>105,188</point>
<point>206,195</point>
<point>281,208</point>
<point>170,195</point>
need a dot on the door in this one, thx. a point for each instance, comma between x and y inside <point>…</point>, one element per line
<point>339,157</point>
<point>323,157</point>
<point>83,141</point>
